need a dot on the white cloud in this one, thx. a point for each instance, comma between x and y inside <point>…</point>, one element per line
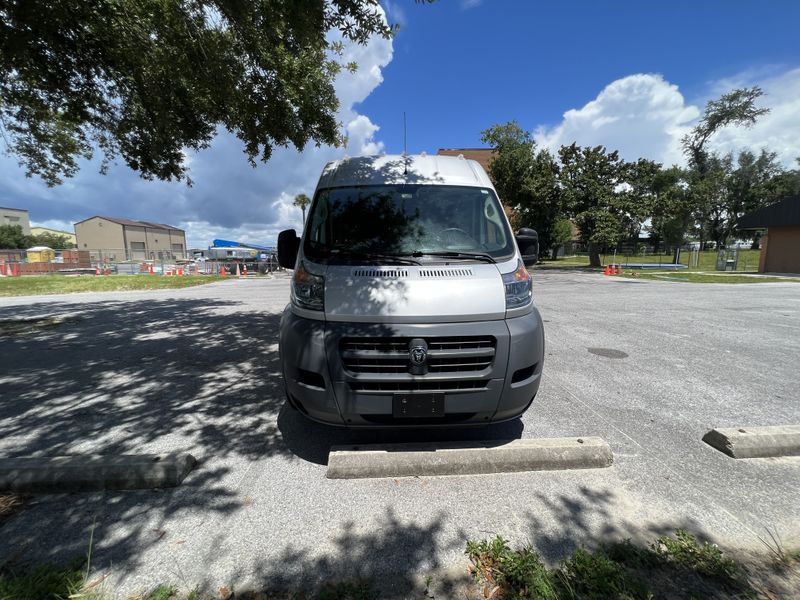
<point>395,13</point>
<point>639,115</point>
<point>229,199</point>
<point>644,115</point>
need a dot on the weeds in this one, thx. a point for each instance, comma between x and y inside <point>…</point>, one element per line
<point>781,557</point>
<point>706,559</point>
<point>595,575</point>
<point>43,583</point>
<point>621,570</point>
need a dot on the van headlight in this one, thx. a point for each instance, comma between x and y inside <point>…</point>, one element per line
<point>519,287</point>
<point>308,289</point>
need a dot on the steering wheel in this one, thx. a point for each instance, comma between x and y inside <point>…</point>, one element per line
<point>451,235</point>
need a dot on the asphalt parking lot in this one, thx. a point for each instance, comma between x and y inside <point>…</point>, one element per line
<point>648,366</point>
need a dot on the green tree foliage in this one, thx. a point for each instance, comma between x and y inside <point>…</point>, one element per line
<point>597,192</point>
<point>750,186</point>
<point>302,201</point>
<point>52,240</point>
<point>12,237</point>
<point>147,80</point>
<point>562,235</point>
<point>734,108</point>
<point>526,178</point>
<point>672,207</point>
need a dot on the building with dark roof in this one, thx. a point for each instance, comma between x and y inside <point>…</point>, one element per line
<point>116,239</point>
<point>780,248</point>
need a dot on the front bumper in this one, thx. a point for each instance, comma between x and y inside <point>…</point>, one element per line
<point>321,386</point>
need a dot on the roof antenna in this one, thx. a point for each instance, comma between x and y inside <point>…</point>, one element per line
<point>405,151</point>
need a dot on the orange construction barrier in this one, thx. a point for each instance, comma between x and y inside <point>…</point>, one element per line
<point>180,271</point>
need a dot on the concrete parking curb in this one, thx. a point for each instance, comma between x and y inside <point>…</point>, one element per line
<point>756,442</point>
<point>467,458</point>
<point>93,472</point>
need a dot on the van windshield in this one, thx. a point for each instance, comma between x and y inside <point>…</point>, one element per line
<point>404,220</point>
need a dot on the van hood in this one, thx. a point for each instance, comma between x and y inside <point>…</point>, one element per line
<point>418,294</point>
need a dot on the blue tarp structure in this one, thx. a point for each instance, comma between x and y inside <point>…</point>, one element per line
<point>231,244</point>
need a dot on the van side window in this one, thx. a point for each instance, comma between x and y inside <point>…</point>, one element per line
<point>319,219</point>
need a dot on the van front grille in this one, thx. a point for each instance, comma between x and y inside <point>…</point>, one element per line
<point>462,354</point>
<point>382,387</point>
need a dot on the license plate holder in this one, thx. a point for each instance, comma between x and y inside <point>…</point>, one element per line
<point>409,406</point>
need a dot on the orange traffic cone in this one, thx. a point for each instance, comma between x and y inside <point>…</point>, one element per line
<point>238,272</point>
<point>152,269</point>
<point>607,272</point>
<point>245,270</point>
<point>614,269</point>
<point>97,270</point>
<point>619,271</point>
<point>222,272</point>
<point>180,271</point>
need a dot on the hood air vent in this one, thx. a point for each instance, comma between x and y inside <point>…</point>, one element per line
<point>381,273</point>
<point>431,273</point>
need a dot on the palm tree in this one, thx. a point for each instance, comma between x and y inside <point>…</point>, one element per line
<point>301,201</point>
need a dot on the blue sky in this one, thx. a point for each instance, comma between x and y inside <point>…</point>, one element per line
<point>633,76</point>
<point>460,67</point>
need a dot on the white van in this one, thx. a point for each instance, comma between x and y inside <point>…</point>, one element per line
<point>410,302</point>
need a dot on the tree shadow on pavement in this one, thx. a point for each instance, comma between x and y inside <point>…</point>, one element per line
<point>153,375</point>
<point>133,376</point>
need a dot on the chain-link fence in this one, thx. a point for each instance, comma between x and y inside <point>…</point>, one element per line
<point>41,260</point>
<point>740,259</point>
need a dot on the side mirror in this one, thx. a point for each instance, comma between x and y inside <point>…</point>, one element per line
<point>528,243</point>
<point>288,247</point>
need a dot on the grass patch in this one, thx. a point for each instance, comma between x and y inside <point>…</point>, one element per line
<point>674,566</point>
<point>33,285</point>
<point>707,260</point>
<point>44,583</point>
<point>696,277</point>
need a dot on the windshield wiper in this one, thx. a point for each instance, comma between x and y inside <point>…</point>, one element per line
<point>463,255</point>
<point>372,256</point>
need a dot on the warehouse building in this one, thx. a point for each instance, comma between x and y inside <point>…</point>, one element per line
<point>780,248</point>
<point>54,232</point>
<point>115,239</point>
<point>15,216</point>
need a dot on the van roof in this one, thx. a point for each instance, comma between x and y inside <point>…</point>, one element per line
<point>398,168</point>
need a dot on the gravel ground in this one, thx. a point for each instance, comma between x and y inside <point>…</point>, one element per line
<point>649,366</point>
